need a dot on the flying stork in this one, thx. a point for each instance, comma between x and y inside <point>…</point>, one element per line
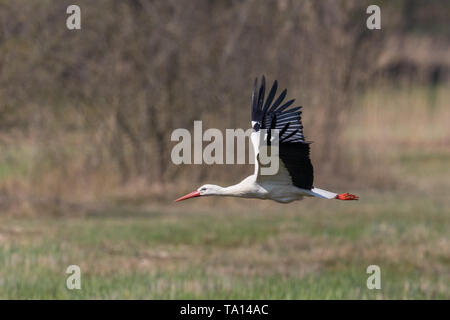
<point>294,179</point>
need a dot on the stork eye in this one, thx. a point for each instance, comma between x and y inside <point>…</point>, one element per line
<point>203,189</point>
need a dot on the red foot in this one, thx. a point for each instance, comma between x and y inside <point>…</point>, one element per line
<point>346,196</point>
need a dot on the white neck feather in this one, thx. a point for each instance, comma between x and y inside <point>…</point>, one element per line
<point>242,189</point>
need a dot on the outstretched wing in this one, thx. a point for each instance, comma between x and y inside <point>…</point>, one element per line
<point>294,151</point>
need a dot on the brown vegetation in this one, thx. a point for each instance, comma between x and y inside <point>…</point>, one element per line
<point>86,115</point>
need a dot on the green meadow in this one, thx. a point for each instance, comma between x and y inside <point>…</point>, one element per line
<point>308,250</point>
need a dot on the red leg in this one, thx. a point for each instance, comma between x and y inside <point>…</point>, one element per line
<point>346,196</point>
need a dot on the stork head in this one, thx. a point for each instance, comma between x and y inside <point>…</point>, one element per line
<point>205,190</point>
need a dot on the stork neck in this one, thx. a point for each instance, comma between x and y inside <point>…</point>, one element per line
<point>236,190</point>
<point>228,191</point>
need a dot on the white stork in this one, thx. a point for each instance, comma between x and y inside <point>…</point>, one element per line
<point>294,179</point>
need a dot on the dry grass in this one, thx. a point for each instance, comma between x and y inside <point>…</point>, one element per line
<point>307,250</point>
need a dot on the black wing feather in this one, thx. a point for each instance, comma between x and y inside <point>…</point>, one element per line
<point>270,96</point>
<point>293,149</point>
<point>295,157</point>
<point>255,114</point>
<point>286,105</point>
<point>278,101</point>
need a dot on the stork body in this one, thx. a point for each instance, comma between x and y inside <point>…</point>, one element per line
<point>294,178</point>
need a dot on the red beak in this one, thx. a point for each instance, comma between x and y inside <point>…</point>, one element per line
<point>189,195</point>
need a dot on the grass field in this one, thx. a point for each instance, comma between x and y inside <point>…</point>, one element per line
<point>246,249</point>
<point>269,254</point>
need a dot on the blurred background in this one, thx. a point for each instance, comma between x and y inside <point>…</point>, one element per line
<point>85,171</point>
